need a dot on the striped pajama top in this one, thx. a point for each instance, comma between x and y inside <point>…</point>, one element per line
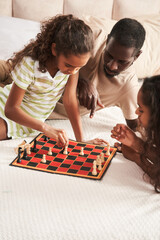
<point>41,94</point>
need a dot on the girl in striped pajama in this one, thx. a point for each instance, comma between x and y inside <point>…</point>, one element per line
<point>41,72</point>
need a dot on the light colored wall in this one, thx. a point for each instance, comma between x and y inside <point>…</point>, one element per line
<point>115,9</point>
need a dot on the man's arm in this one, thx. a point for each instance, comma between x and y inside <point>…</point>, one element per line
<point>88,95</point>
<point>88,75</point>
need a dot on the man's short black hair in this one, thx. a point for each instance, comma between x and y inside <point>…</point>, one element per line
<point>129,33</point>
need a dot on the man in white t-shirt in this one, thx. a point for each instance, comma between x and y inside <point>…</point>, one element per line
<point>109,77</point>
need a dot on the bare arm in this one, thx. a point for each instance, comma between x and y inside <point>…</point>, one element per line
<point>15,113</point>
<point>71,105</point>
<point>145,165</point>
<point>88,95</point>
<point>128,138</point>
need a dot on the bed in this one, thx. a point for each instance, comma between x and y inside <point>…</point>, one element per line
<point>36,206</point>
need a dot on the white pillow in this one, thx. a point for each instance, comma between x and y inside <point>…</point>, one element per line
<point>148,62</point>
<point>15,33</point>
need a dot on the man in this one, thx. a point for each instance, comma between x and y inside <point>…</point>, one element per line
<point>109,77</point>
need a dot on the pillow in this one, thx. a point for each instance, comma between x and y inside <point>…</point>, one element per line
<point>148,63</point>
<point>15,33</point>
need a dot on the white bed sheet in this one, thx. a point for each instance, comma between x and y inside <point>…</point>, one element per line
<point>41,206</point>
<point>36,205</point>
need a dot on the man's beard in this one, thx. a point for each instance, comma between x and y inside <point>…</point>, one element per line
<point>107,74</point>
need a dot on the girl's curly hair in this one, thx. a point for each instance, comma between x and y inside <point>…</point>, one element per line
<point>151,98</point>
<point>70,34</point>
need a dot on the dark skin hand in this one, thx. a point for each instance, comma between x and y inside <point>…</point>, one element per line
<point>88,96</point>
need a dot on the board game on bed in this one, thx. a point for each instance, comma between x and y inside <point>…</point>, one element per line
<point>72,163</point>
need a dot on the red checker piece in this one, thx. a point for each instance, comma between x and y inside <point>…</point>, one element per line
<point>41,151</point>
<point>86,152</point>
<point>89,146</point>
<point>67,161</point>
<point>41,139</point>
<point>42,166</point>
<point>62,169</point>
<point>97,150</point>
<point>75,167</point>
<point>55,164</point>
<point>32,154</point>
<point>69,149</point>
<point>87,164</point>
<point>82,172</point>
<point>50,158</point>
<point>23,162</point>
<point>80,159</point>
<point>56,150</point>
<point>37,160</point>
<point>38,146</point>
<point>77,147</point>
<point>74,153</point>
<point>92,156</point>
<point>72,143</point>
<point>60,155</point>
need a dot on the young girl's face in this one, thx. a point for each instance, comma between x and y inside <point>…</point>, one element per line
<point>72,63</point>
<point>142,111</point>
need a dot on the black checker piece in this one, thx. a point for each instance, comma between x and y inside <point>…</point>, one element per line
<point>40,143</point>
<point>52,142</point>
<point>65,165</point>
<point>71,157</point>
<point>90,160</point>
<point>72,171</point>
<point>85,155</point>
<point>32,164</point>
<point>76,150</point>
<point>27,158</point>
<point>45,148</point>
<point>95,153</point>
<point>71,146</point>
<point>85,168</point>
<point>88,149</point>
<point>53,168</point>
<point>54,154</point>
<point>78,163</point>
<point>98,147</point>
<point>58,159</point>
<point>81,144</point>
<point>47,162</point>
<point>38,155</point>
<point>57,147</point>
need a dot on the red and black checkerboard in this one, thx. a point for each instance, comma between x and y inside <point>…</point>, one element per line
<point>72,164</point>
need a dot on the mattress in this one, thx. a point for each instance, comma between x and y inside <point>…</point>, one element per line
<point>38,205</point>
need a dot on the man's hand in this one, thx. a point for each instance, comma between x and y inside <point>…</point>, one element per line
<point>97,141</point>
<point>88,96</point>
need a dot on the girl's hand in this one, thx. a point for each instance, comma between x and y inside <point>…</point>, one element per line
<point>124,134</point>
<point>58,134</point>
<point>97,141</point>
<point>118,146</point>
<point>130,154</point>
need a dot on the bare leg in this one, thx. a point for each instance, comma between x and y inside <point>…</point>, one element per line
<point>3,129</point>
<point>4,73</point>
